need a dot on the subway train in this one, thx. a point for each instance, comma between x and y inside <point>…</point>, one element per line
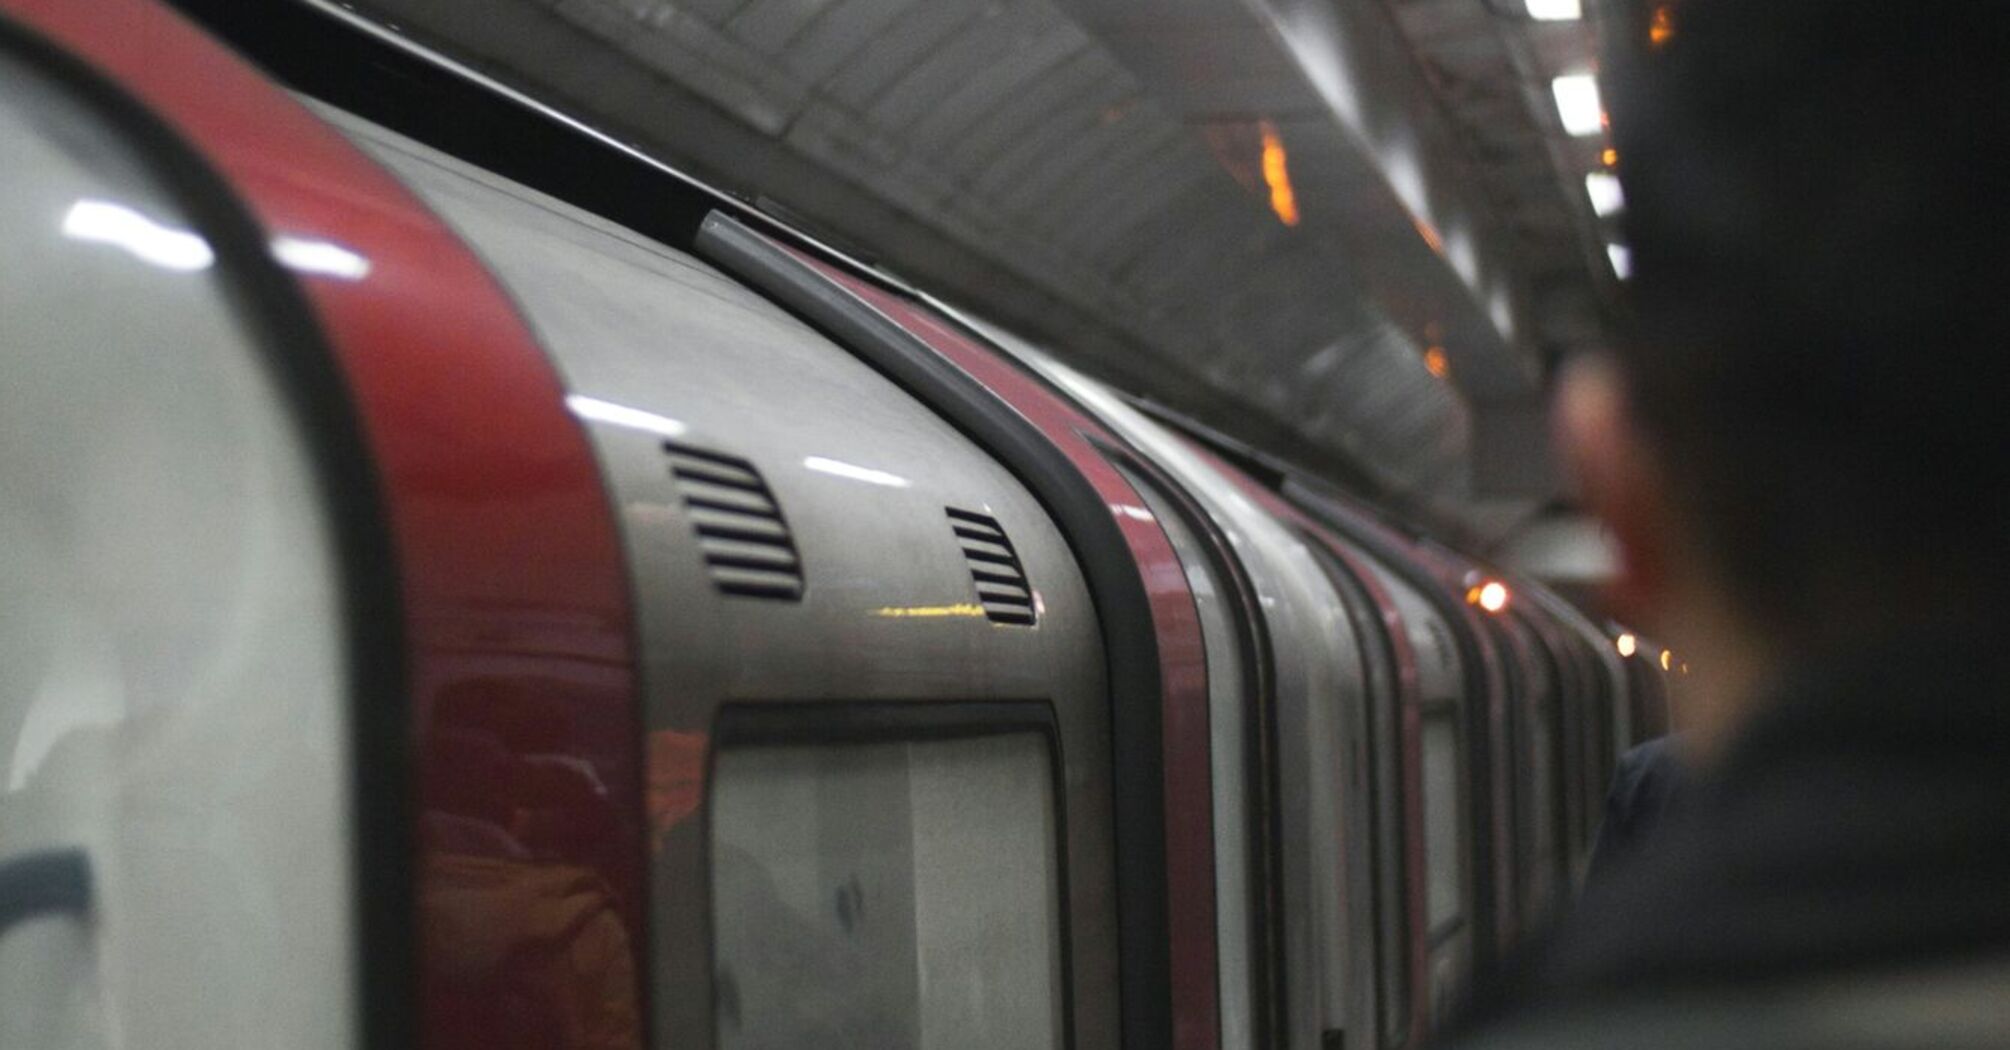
<point>467,584</point>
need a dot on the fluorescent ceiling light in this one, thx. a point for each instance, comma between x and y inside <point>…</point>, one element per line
<point>1622,260</point>
<point>1555,10</point>
<point>1577,103</point>
<point>1606,198</point>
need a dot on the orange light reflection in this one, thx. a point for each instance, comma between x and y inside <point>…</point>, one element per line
<point>928,612</point>
<point>1662,29</point>
<point>1430,235</point>
<point>1277,176</point>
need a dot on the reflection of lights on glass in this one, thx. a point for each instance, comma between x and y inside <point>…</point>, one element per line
<point>1610,157</point>
<point>1622,260</point>
<point>1135,513</point>
<point>1685,667</point>
<point>1275,175</point>
<point>1555,10</point>
<point>1628,645</point>
<point>842,469</point>
<point>1577,103</point>
<point>1662,28</point>
<point>1667,660</point>
<point>623,416</point>
<point>147,240</point>
<point>1436,363</point>
<point>320,257</point>
<point>928,612</point>
<point>1430,235</point>
<point>1603,189</point>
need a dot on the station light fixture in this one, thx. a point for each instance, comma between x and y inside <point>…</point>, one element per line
<point>1277,176</point>
<point>1606,197</point>
<point>1622,260</point>
<point>1662,28</point>
<point>1628,644</point>
<point>1667,660</point>
<point>1555,10</point>
<point>1578,104</point>
<point>1493,596</point>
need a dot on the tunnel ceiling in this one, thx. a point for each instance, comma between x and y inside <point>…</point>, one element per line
<point>1265,215</point>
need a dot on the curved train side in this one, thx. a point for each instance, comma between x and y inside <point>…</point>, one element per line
<point>535,630</point>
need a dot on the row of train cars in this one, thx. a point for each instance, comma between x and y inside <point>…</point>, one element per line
<point>439,613</point>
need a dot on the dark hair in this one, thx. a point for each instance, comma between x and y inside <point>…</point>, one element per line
<point>1819,334</point>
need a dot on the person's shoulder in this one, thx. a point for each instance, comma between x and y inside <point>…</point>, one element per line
<point>1658,754</point>
<point>1645,777</point>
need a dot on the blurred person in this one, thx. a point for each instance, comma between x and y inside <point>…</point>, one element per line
<point>1795,443</point>
<point>1645,784</point>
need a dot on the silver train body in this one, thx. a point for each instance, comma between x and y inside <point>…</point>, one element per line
<point>945,696</point>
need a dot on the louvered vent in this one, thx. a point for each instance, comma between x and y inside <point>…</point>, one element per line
<point>994,566</point>
<point>741,530</point>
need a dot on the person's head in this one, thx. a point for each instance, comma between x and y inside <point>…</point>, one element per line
<point>1798,434</point>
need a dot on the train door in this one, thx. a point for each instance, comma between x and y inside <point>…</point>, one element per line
<point>1536,772</point>
<point>200,651</point>
<point>1240,718</point>
<point>1454,691</point>
<point>1393,802</point>
<point>1489,726</point>
<point>1449,879</point>
<point>1590,750</point>
<point>877,701</point>
<point>1588,657</point>
<point>1647,689</point>
<point>1321,831</point>
<point>1517,680</point>
<point>1160,708</point>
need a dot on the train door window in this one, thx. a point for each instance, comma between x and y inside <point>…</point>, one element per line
<point>892,894</point>
<point>1444,824</point>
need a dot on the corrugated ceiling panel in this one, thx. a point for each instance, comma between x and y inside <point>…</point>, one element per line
<point>1004,127</point>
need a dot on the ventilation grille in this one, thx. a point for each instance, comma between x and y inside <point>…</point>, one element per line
<point>994,566</point>
<point>741,530</point>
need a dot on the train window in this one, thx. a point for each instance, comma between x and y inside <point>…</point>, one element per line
<point>179,660</point>
<point>897,894</point>
<point>1444,822</point>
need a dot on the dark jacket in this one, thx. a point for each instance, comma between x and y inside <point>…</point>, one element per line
<point>1645,784</point>
<point>1859,825</point>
